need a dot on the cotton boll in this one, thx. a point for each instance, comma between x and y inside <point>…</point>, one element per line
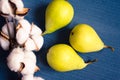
<point>5,8</point>
<point>35,30</point>
<point>31,77</point>
<point>29,67</point>
<point>19,4</point>
<point>9,12</point>
<point>21,36</point>
<point>21,11</point>
<point>30,63</point>
<point>15,58</point>
<point>30,55</point>
<point>38,78</point>
<point>4,43</point>
<point>29,45</point>
<point>28,77</point>
<point>5,29</point>
<point>38,40</point>
<point>35,35</point>
<point>25,25</point>
<point>8,29</point>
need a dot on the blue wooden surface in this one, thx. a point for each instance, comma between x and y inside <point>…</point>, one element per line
<point>103,15</point>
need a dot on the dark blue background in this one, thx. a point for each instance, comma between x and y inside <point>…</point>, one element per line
<point>103,15</point>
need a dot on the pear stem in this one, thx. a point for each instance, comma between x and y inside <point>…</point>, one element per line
<point>109,47</point>
<point>91,61</point>
<point>44,33</point>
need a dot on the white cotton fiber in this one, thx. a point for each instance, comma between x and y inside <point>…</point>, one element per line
<point>30,63</point>
<point>4,43</point>
<point>30,45</point>
<point>38,78</point>
<point>8,29</point>
<point>5,7</point>
<point>31,77</point>
<point>25,25</point>
<point>19,4</point>
<point>35,30</point>
<point>28,77</point>
<point>15,58</point>
<point>21,36</point>
<point>38,40</point>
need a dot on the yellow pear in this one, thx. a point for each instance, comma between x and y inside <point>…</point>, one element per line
<point>58,14</point>
<point>84,39</point>
<point>62,58</point>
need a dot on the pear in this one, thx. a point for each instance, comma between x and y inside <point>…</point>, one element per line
<point>58,14</point>
<point>63,58</point>
<point>83,38</point>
